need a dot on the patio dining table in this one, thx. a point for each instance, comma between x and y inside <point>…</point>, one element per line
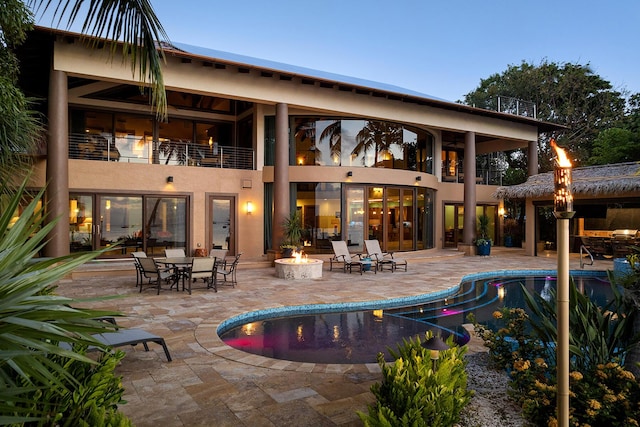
<point>181,266</point>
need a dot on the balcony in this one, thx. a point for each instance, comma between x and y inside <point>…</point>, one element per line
<point>134,149</point>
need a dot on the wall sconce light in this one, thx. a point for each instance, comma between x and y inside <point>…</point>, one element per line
<point>169,179</point>
<point>418,178</point>
<point>249,208</point>
<point>349,174</point>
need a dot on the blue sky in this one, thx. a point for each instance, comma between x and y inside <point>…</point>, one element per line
<point>441,48</point>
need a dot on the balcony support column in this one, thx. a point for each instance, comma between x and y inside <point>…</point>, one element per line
<point>532,158</point>
<point>469,169</point>
<point>281,193</point>
<point>57,193</point>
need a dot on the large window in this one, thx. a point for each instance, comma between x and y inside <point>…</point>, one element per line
<point>131,138</point>
<point>401,218</point>
<point>454,222</point>
<point>127,223</point>
<point>319,205</point>
<point>361,143</point>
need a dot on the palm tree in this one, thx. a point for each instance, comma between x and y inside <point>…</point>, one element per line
<point>131,23</point>
<point>377,135</point>
<point>333,133</point>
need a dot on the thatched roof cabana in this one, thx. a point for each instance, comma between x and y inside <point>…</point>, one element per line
<point>591,181</point>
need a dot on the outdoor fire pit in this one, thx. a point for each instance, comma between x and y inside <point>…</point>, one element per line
<point>298,267</point>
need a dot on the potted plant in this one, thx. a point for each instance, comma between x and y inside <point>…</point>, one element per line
<point>292,227</point>
<point>510,225</point>
<point>483,242</point>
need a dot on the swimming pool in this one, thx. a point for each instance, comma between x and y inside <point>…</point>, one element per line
<point>357,332</point>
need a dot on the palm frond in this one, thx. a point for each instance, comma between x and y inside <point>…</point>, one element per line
<point>33,320</point>
<point>131,25</point>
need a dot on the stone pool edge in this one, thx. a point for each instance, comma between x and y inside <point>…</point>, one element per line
<point>207,334</point>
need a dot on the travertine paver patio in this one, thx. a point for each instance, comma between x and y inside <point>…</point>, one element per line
<point>210,384</point>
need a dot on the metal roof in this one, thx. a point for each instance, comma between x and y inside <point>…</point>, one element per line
<point>344,82</point>
<point>274,66</point>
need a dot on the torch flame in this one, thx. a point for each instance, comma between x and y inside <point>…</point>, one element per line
<point>563,160</point>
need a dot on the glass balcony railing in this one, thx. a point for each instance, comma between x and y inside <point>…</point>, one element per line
<point>136,149</point>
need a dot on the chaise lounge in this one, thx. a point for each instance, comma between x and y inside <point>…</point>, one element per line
<point>341,255</point>
<point>383,259</point>
<point>132,336</point>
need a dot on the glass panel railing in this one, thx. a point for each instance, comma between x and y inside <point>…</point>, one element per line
<point>132,149</point>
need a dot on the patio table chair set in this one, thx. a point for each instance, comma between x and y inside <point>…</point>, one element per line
<point>177,268</point>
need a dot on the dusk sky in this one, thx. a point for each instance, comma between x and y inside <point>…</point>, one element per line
<point>439,48</point>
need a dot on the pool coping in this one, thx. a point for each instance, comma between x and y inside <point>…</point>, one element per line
<point>207,334</point>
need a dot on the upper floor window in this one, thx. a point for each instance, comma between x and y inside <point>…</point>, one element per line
<point>364,143</point>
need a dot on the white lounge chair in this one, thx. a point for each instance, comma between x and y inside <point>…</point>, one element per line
<point>342,255</point>
<point>383,259</point>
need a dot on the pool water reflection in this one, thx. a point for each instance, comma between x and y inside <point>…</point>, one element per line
<point>358,336</point>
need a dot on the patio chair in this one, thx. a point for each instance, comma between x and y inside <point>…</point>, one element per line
<point>228,272</point>
<point>136,255</point>
<point>174,253</point>
<point>205,269</point>
<point>341,255</point>
<point>220,255</point>
<point>155,274</point>
<point>383,259</point>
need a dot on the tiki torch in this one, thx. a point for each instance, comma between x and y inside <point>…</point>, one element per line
<point>563,211</point>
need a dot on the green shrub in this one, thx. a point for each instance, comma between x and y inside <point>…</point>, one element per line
<point>511,342</point>
<point>601,391</point>
<point>605,395</point>
<point>91,400</point>
<point>413,393</point>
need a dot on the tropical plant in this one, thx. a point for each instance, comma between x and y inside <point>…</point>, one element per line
<point>292,228</point>
<point>483,231</point>
<point>20,129</point>
<point>631,284</point>
<point>333,132</point>
<point>91,400</point>
<point>598,334</point>
<point>602,391</point>
<point>33,320</point>
<point>127,26</point>
<point>507,345</point>
<point>415,392</point>
<point>377,136</point>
